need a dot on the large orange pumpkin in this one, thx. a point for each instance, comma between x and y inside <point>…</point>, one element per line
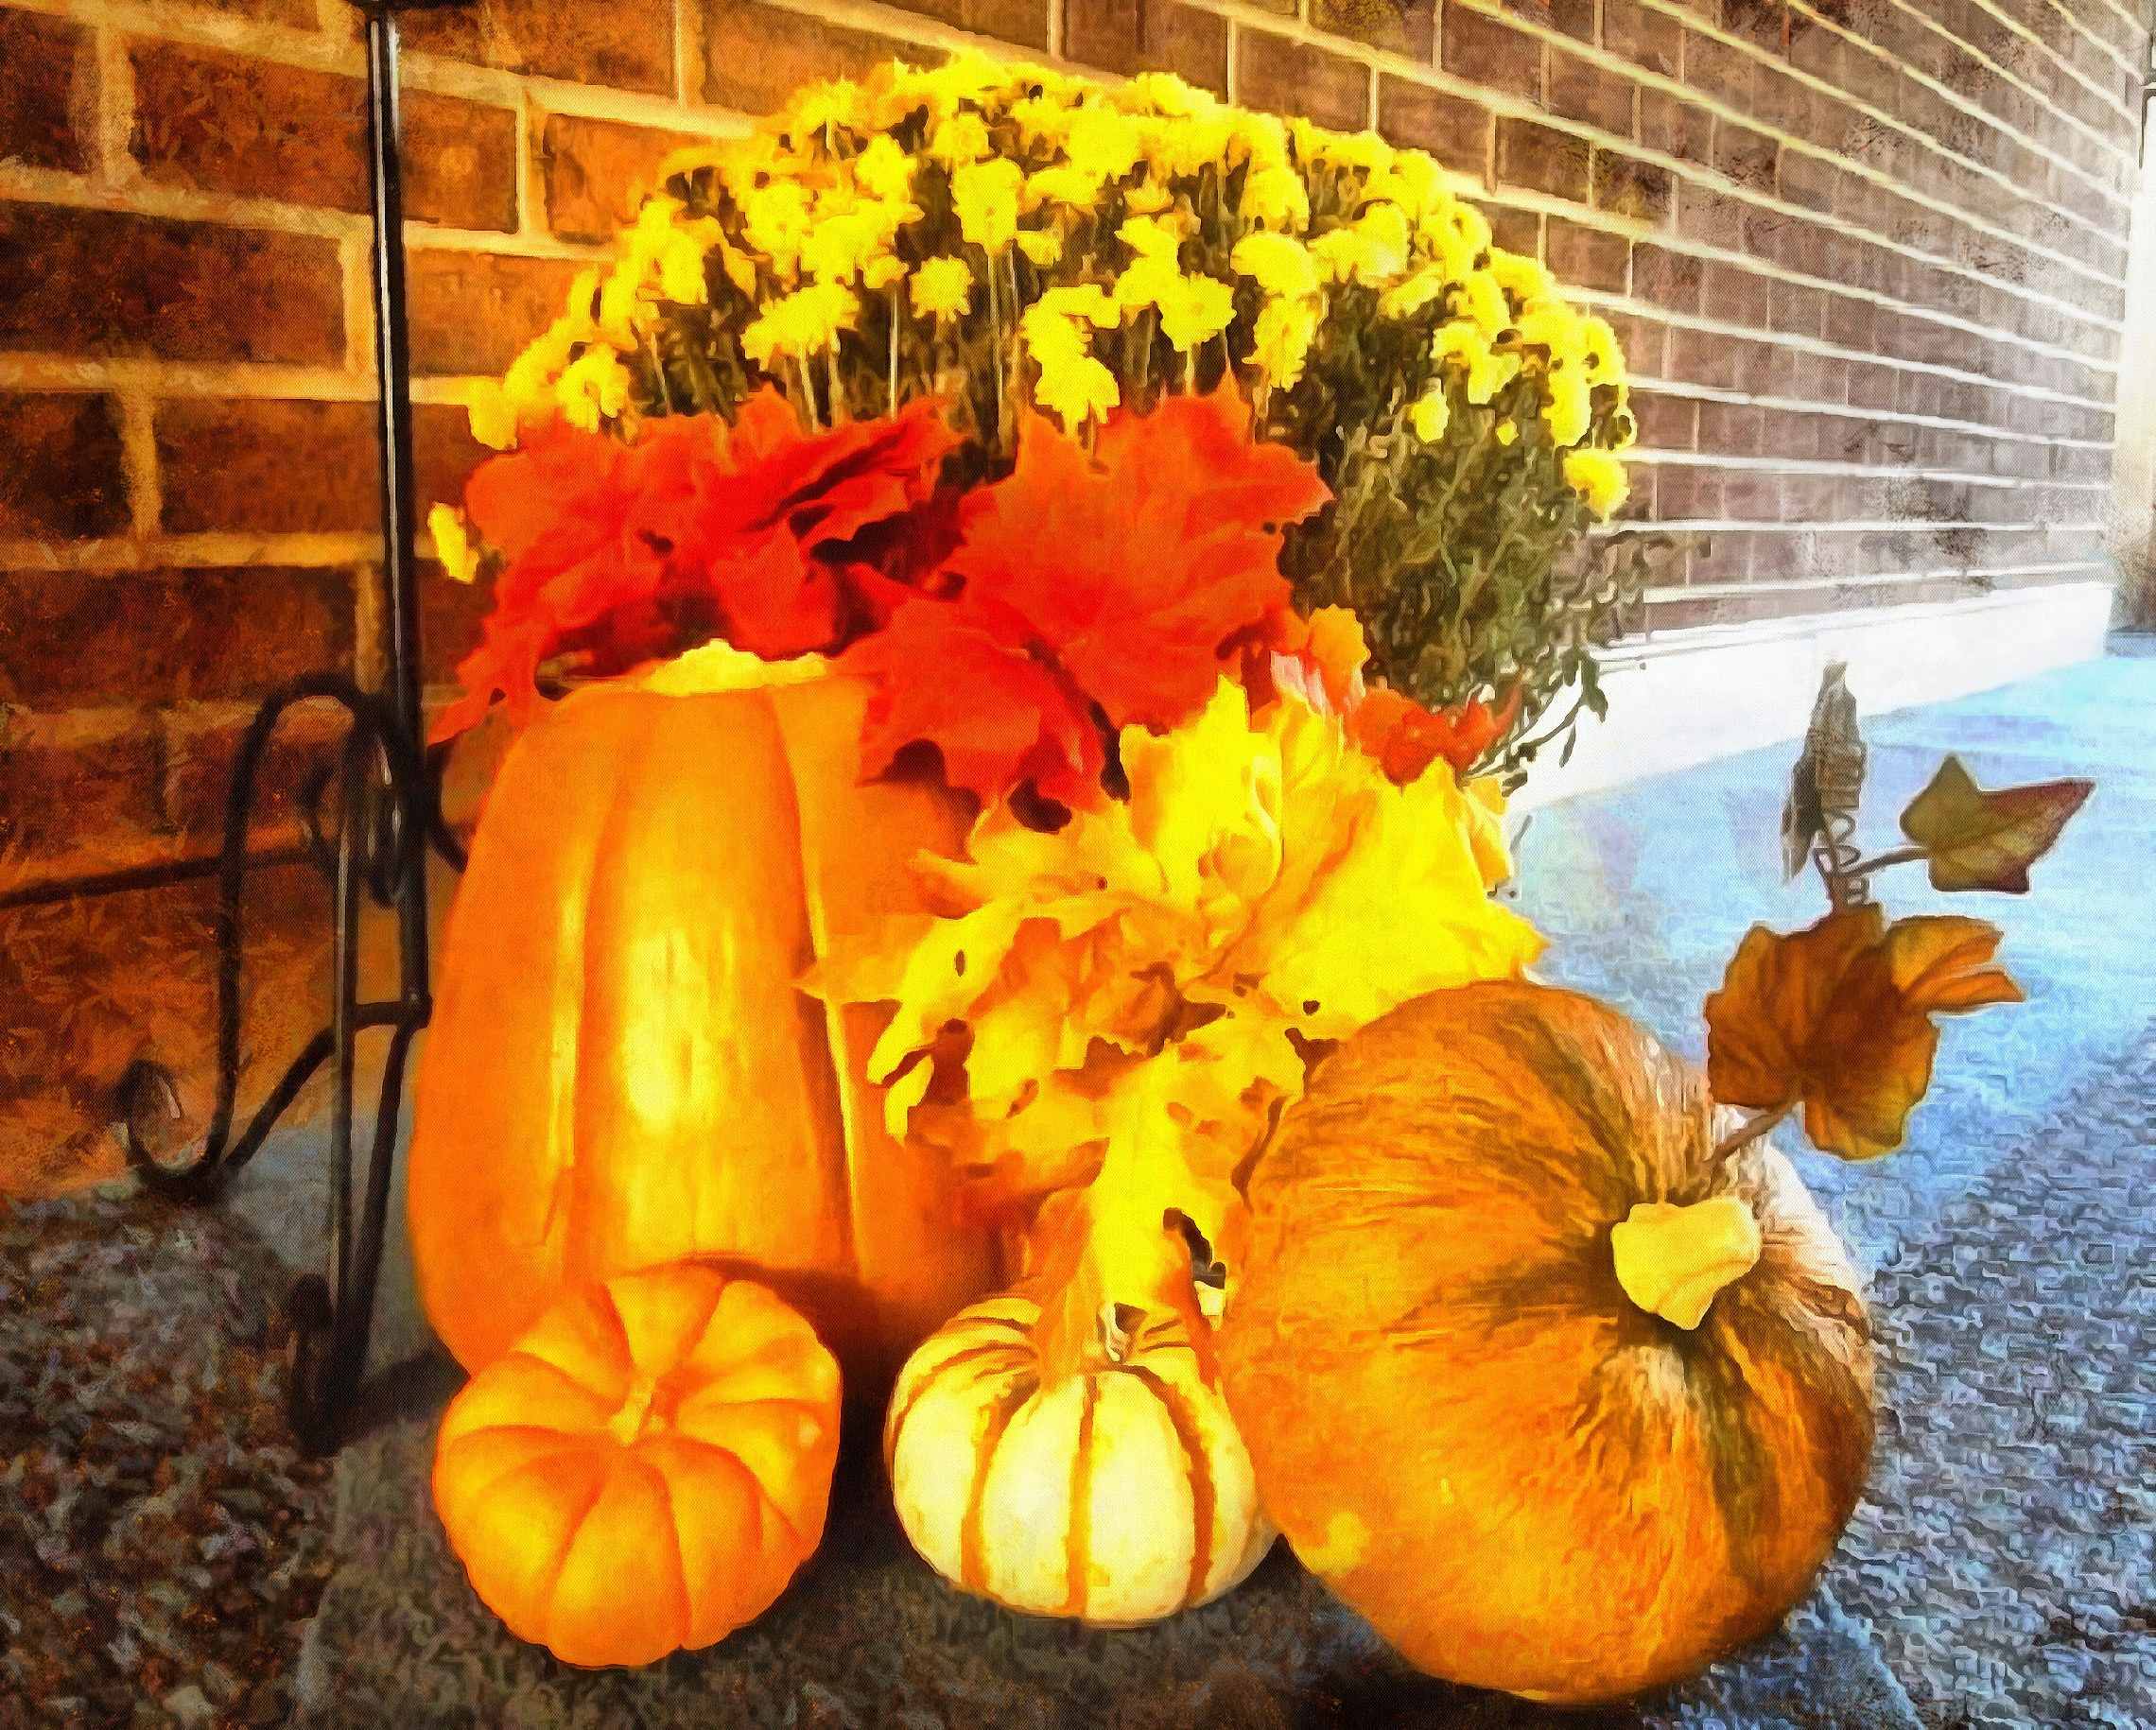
<point>646,1468</point>
<point>620,1071</point>
<point>1460,1357</point>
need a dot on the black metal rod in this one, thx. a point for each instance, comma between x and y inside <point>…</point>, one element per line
<point>393,357</point>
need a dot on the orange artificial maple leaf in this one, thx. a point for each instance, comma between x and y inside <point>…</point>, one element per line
<point>1089,593</point>
<point>1838,1018</point>
<point>1975,838</point>
<point>615,553</point>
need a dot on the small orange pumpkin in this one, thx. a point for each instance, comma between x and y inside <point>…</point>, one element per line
<point>646,1468</point>
<point>1117,1492</point>
<point>1560,1402</point>
<point>620,1071</point>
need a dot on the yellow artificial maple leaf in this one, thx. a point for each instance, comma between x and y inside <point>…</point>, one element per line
<point>1154,968</point>
<point>1977,839</point>
<point>1838,1018</point>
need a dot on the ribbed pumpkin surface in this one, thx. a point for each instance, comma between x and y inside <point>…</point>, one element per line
<point>1117,1494</point>
<point>646,1468</point>
<point>1526,1480</point>
<point>620,1071</point>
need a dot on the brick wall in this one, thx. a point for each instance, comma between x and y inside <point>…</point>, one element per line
<point>1866,257</point>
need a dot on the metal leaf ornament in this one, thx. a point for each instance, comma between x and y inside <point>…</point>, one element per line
<point>1824,788</point>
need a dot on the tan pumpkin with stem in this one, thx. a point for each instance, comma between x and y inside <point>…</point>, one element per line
<point>1561,1401</point>
<point>620,1071</point>
<point>1063,1453</point>
<point>646,1468</point>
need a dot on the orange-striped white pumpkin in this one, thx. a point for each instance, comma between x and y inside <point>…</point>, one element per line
<point>1117,1494</point>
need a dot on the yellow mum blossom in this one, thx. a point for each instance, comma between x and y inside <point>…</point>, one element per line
<point>985,195</point>
<point>1149,198</point>
<point>1372,250</point>
<point>1166,94</point>
<point>592,388</point>
<point>1406,298</point>
<point>1570,410</point>
<point>801,324</point>
<point>834,103</point>
<point>1196,310</point>
<point>1414,182</point>
<point>942,288</point>
<point>1102,142</point>
<point>1467,227</point>
<point>880,273</point>
<point>1044,247</point>
<point>883,169</point>
<point>1482,299</point>
<point>1553,325</point>
<point>1522,279</point>
<point>1486,372</point>
<point>1599,478</point>
<point>1088,300</point>
<point>959,140</point>
<point>1279,264</point>
<point>1152,236</point>
<point>1316,144</point>
<point>1284,333</point>
<point>1599,356</point>
<point>1186,147</point>
<point>681,263</point>
<point>1073,386</point>
<point>1061,184</point>
<point>1275,196</point>
<point>493,418</point>
<point>1507,433</point>
<point>453,543</point>
<point>1148,281</point>
<point>1430,414</point>
<point>1043,119</point>
<point>776,220</point>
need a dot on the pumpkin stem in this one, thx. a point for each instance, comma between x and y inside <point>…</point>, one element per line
<point>627,1424</point>
<point>1672,1260</point>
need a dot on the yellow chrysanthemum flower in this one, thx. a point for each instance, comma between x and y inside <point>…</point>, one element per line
<point>985,195</point>
<point>1553,325</point>
<point>1601,357</point>
<point>1599,478</point>
<point>1102,142</point>
<point>592,388</point>
<point>882,169</point>
<point>880,273</point>
<point>1279,264</point>
<point>942,288</point>
<point>1406,298</point>
<point>1507,433</point>
<point>1166,94</point>
<point>1522,279</point>
<point>1487,372</point>
<point>1074,188</point>
<point>1482,299</point>
<point>1282,335</point>
<point>453,543</point>
<point>959,140</point>
<point>776,220</point>
<point>1197,309</point>
<point>1073,386</point>
<point>1570,410</point>
<point>1086,300</point>
<point>801,324</point>
<point>1430,414</point>
<point>1152,236</point>
<point>1372,250</point>
<point>834,103</point>
<point>1275,196</point>
<point>1042,247</point>
<point>1149,198</point>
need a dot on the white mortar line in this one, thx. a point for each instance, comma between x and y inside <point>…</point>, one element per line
<point>1715,394</point>
<point>116,553</point>
<point>1665,592</point>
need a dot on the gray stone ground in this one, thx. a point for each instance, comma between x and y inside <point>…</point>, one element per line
<point>1999,1572</point>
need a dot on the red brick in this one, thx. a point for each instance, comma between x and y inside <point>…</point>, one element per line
<point>1690,493</point>
<point>1711,66</point>
<point>1676,128</point>
<point>63,479</point>
<point>200,745</point>
<point>1851,323</point>
<point>1666,422</point>
<point>1409,29</point>
<point>1587,257</point>
<point>1807,180</point>
<point>450,617</point>
<point>1760,21</point>
<point>472,312</point>
<point>1795,310</point>
<point>267,467</point>
<point>1131,36</point>
<point>1290,77</point>
<point>1491,52</point>
<point>1455,131</point>
<point>1782,102</point>
<point>1669,280</point>
<point>45,121</point>
<point>444,453</point>
<point>1024,22</point>
<point>1648,38</point>
<point>756,56</point>
<point>1574,18</point>
<point>1593,94</point>
<point>1730,429</point>
<point>75,785</point>
<point>596,171</point>
<point>70,640</point>
<point>1633,187</point>
<point>628,44</point>
<point>1746,157</point>
<point>256,129</point>
<point>1516,230</point>
<point>1542,158</point>
<point>97,281</point>
<point>1712,217</point>
<point>1645,343</point>
<point>1704,357</point>
<point>1735,296</point>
